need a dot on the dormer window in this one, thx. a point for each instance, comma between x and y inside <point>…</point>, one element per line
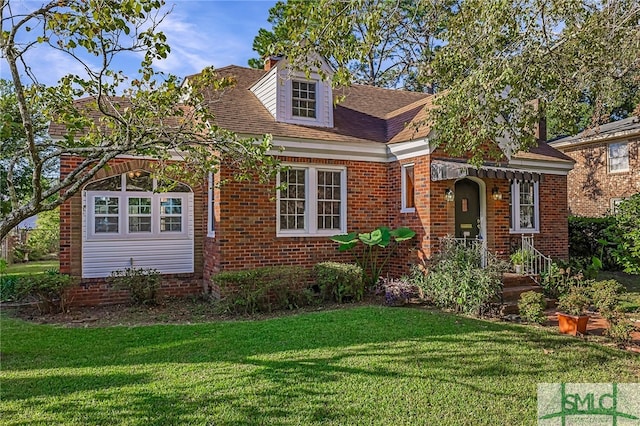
<point>303,99</point>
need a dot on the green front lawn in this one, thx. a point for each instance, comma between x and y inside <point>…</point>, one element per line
<point>35,267</point>
<point>361,365</point>
<point>631,299</point>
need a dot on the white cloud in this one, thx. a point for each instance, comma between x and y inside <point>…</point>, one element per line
<point>200,33</point>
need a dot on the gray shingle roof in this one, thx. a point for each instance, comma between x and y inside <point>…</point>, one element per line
<point>622,128</point>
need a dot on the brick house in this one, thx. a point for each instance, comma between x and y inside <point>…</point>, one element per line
<point>607,168</point>
<point>354,166</point>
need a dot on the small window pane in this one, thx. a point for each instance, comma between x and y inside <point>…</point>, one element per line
<point>170,224</point>
<point>104,225</point>
<point>139,180</point>
<point>114,183</point>
<point>140,224</point>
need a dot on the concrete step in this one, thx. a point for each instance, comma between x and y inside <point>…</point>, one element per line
<point>510,279</point>
<point>511,307</point>
<point>513,293</point>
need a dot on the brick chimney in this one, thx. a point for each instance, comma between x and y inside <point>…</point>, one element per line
<point>270,61</point>
<point>540,130</point>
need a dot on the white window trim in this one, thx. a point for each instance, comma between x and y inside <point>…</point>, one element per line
<point>316,89</point>
<point>515,209</point>
<point>311,202</point>
<point>609,158</point>
<point>211,231</point>
<point>123,216</point>
<point>403,192</point>
<point>614,203</point>
<point>289,117</point>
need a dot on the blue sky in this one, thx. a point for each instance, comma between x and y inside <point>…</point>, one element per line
<point>200,33</point>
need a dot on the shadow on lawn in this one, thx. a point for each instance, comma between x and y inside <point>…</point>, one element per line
<point>274,369</point>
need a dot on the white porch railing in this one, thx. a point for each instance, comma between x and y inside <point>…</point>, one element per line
<point>536,263</point>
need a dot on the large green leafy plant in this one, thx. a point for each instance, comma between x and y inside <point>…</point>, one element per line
<point>625,234</point>
<point>373,249</point>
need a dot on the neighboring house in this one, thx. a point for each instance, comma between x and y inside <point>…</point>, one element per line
<point>607,168</point>
<point>354,166</point>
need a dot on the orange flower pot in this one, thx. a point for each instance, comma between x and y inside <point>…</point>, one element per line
<point>572,324</point>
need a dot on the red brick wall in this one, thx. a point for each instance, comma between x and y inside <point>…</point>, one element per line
<point>591,186</point>
<point>245,223</point>
<point>246,228</point>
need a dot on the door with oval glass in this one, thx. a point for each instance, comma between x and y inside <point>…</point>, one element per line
<point>467,198</point>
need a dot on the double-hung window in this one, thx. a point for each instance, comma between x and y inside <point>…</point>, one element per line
<point>312,201</point>
<point>618,157</point>
<point>303,99</point>
<point>130,206</point>
<point>525,206</point>
<point>408,189</point>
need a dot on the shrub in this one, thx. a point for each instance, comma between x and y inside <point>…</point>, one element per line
<point>625,234</point>
<point>142,284</point>
<point>559,279</point>
<point>50,288</point>
<point>605,296</point>
<point>531,306</point>
<point>575,302</point>
<point>263,289</point>
<point>587,237</point>
<point>397,292</point>
<point>339,281</point>
<point>457,280</point>
<point>620,331</point>
<point>8,290</point>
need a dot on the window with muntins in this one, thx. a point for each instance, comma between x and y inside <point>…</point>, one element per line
<point>129,206</point>
<point>312,202</point>
<point>525,207</point>
<point>408,189</point>
<point>618,157</point>
<point>303,99</point>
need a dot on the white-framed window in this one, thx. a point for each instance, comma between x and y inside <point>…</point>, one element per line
<point>129,206</point>
<point>618,154</point>
<point>303,99</point>
<point>139,215</point>
<point>211,230</point>
<point>615,202</point>
<point>106,213</point>
<point>408,189</point>
<point>312,202</point>
<point>525,207</point>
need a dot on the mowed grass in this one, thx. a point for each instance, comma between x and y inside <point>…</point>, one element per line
<point>360,365</point>
<point>35,267</point>
<point>631,299</point>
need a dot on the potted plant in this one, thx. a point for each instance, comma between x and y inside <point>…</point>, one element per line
<point>518,259</point>
<point>572,308</point>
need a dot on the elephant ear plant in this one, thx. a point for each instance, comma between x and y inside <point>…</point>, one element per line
<point>377,248</point>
